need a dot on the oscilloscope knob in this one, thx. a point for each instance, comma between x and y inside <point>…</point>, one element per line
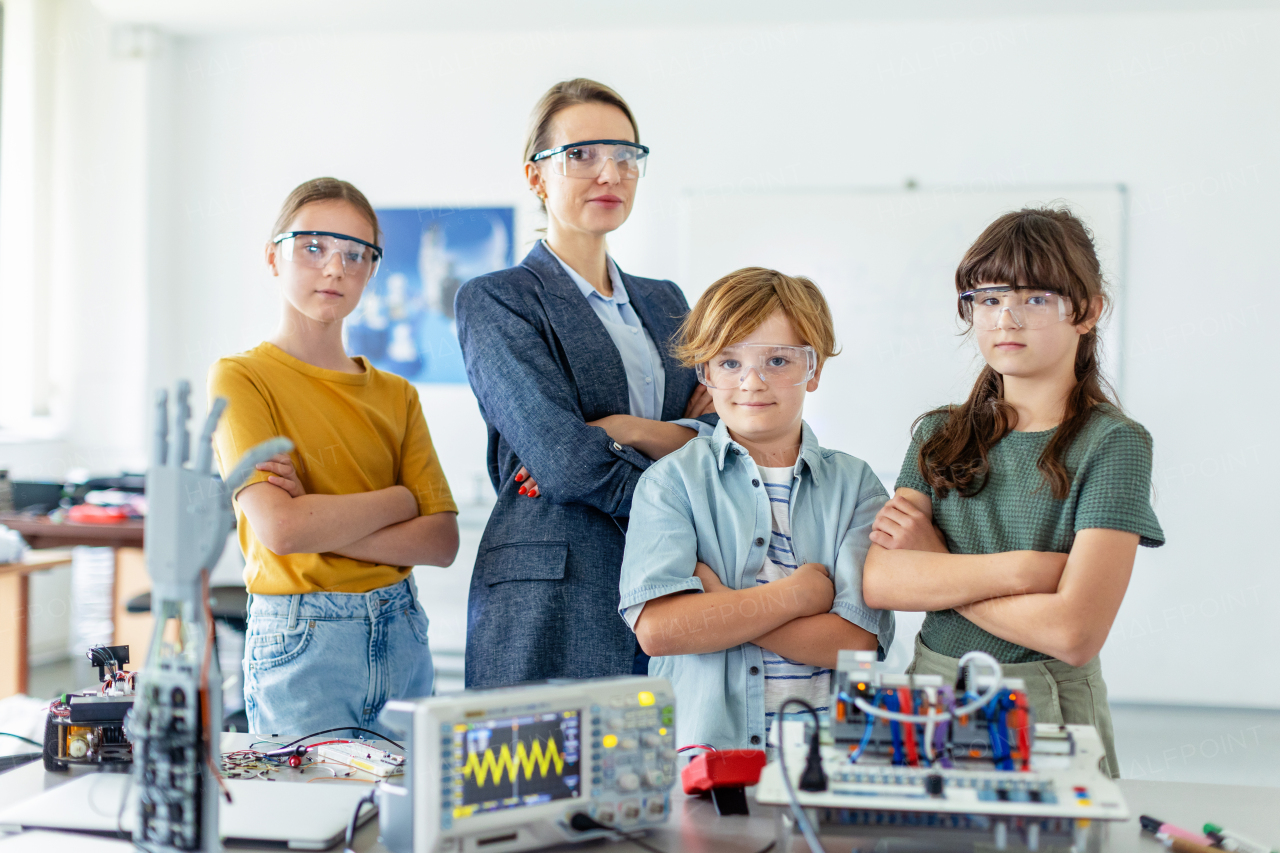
<point>628,782</point>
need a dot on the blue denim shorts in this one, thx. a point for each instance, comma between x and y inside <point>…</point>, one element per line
<point>325,659</point>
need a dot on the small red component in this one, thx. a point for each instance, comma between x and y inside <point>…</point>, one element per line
<point>727,768</point>
<point>91,514</point>
<point>295,760</point>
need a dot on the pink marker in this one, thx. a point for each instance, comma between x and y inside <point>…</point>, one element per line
<point>1151,824</point>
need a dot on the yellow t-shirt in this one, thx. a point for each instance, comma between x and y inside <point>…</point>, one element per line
<point>352,433</point>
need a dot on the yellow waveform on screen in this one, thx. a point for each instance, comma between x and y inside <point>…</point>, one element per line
<point>525,760</point>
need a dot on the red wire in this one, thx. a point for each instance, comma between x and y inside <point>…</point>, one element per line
<point>311,746</point>
<point>905,700</point>
<point>1024,730</point>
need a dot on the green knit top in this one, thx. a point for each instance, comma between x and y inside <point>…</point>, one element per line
<point>1110,467</point>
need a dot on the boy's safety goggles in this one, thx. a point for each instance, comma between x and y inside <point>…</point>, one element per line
<point>586,159</point>
<point>314,249</point>
<point>1028,307</point>
<point>777,366</point>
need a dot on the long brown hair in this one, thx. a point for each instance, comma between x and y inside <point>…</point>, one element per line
<point>1034,247</point>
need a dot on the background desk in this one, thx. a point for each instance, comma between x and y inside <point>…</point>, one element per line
<point>696,828</point>
<point>133,629</point>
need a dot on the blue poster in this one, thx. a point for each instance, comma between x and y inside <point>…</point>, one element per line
<point>405,320</point>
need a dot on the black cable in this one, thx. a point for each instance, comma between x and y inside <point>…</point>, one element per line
<point>369,798</point>
<point>23,739</point>
<point>341,729</point>
<point>583,822</point>
<point>813,779</point>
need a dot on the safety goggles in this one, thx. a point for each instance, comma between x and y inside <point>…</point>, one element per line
<point>1028,307</point>
<point>586,159</point>
<point>777,366</point>
<point>315,248</point>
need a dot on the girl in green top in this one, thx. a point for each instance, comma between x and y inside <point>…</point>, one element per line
<point>1018,513</point>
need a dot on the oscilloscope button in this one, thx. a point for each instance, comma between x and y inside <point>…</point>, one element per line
<point>628,782</point>
<point>628,743</point>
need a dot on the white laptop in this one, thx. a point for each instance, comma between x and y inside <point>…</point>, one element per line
<point>303,816</point>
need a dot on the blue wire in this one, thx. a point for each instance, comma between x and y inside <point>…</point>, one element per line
<point>866,732</point>
<point>892,704</point>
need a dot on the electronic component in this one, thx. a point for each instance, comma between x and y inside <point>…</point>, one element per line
<point>361,756</point>
<point>946,758</point>
<point>725,774</point>
<point>521,768</point>
<point>176,719</point>
<point>87,727</point>
<point>999,730</point>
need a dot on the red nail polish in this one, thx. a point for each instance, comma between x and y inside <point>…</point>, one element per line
<point>519,478</point>
<point>523,490</point>
<point>534,493</point>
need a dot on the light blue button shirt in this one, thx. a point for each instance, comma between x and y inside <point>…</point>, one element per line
<point>646,376</point>
<point>706,502</point>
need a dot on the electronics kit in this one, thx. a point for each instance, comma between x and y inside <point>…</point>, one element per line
<point>918,756</point>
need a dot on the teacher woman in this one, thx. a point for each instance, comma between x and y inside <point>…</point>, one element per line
<point>570,360</point>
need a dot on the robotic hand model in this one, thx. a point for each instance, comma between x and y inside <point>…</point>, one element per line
<point>176,718</point>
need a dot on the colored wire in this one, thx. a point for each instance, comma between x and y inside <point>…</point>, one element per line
<point>968,658</point>
<point>906,698</point>
<point>895,727</point>
<point>23,739</point>
<point>931,695</point>
<point>380,735</point>
<point>1024,730</point>
<point>866,737</point>
<point>705,746</point>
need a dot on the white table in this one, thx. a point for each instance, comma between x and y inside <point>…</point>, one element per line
<point>696,828</point>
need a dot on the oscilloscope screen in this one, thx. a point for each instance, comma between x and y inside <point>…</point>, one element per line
<point>520,761</point>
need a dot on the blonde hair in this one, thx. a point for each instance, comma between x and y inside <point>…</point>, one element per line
<point>737,305</point>
<point>325,189</point>
<point>563,95</point>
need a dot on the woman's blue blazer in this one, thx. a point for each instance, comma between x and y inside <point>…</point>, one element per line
<point>544,592</point>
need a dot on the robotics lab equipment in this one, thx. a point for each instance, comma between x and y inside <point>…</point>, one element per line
<point>519,768</point>
<point>88,727</point>
<point>953,764</point>
<point>176,720</point>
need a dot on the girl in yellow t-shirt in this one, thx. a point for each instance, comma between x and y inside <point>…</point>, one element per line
<point>331,531</point>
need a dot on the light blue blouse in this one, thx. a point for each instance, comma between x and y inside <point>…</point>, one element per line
<point>646,377</point>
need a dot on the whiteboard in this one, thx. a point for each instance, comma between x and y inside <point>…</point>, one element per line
<point>886,261</point>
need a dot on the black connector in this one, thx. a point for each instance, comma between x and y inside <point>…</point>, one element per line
<point>814,778</point>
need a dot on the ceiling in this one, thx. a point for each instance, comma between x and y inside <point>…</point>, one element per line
<point>206,17</point>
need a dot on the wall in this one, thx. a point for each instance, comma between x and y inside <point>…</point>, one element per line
<point>1178,106</point>
<point>75,220</point>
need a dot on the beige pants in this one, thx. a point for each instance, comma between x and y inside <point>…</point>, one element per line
<point>1059,692</point>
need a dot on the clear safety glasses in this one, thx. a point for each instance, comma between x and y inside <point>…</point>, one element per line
<point>586,159</point>
<point>1028,307</point>
<point>777,366</point>
<point>315,248</point>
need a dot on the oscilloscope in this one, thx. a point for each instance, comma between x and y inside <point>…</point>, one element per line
<point>510,768</point>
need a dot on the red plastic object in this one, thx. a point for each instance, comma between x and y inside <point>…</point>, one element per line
<point>91,514</point>
<point>728,768</point>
